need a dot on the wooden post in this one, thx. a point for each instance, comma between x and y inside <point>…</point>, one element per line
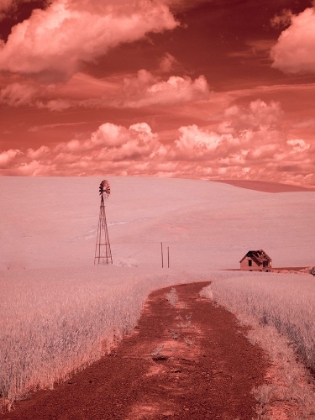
<point>168,257</point>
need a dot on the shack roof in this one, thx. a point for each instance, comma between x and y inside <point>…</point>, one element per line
<point>258,256</point>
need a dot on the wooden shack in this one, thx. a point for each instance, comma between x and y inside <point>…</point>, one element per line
<point>256,261</point>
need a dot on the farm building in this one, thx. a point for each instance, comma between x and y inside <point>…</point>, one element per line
<point>256,261</point>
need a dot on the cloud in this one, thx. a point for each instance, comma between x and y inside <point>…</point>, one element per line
<point>56,41</point>
<point>195,143</point>
<point>8,156</point>
<point>167,63</point>
<point>245,135</point>
<point>37,154</point>
<point>249,142</point>
<point>54,104</point>
<point>259,114</point>
<point>147,90</point>
<point>298,146</point>
<point>144,89</point>
<point>118,149</point>
<point>9,8</point>
<point>294,51</point>
<point>17,94</point>
<point>282,20</point>
<point>5,4</point>
<point>258,48</point>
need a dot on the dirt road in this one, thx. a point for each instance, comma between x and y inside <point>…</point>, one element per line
<point>186,360</point>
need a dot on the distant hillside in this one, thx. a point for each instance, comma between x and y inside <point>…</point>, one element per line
<point>51,222</point>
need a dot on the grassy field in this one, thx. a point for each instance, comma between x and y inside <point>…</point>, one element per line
<point>59,312</point>
<point>55,323</point>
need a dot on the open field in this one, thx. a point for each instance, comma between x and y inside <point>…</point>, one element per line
<point>59,312</point>
<point>54,322</point>
<point>51,222</point>
<point>177,364</point>
<point>285,301</point>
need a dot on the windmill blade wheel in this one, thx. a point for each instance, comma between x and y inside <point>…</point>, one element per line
<point>104,188</point>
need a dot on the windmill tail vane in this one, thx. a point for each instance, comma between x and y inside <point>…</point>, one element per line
<point>103,253</point>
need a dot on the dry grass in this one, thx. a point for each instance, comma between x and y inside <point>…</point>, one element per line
<point>289,391</point>
<point>51,327</point>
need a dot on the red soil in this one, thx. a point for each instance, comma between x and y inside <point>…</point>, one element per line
<point>188,361</point>
<point>271,187</point>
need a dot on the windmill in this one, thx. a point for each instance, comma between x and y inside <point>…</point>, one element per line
<point>103,253</point>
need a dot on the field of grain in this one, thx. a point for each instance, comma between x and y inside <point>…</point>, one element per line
<point>59,312</point>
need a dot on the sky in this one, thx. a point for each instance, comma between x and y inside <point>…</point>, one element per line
<point>216,89</point>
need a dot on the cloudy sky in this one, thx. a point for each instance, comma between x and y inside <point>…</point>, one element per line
<point>208,89</point>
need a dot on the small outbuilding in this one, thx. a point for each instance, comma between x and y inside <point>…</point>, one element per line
<point>256,261</point>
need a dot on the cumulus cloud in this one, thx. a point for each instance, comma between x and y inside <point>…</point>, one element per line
<point>37,154</point>
<point>259,114</point>
<point>113,142</point>
<point>246,134</point>
<point>294,51</point>
<point>146,90</point>
<point>118,149</point>
<point>8,156</point>
<point>250,142</point>
<point>57,40</point>
<point>195,143</point>
<point>258,150</point>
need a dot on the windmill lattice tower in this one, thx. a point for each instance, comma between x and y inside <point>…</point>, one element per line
<point>103,253</point>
